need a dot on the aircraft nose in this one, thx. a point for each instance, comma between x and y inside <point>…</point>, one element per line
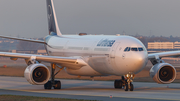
<point>140,60</point>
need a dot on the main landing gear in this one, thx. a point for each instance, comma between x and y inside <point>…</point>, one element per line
<point>53,83</point>
<point>125,83</point>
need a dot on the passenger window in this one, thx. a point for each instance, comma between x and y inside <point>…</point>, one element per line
<point>134,49</point>
<point>140,49</point>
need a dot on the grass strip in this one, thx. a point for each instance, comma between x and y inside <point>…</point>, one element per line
<point>32,98</point>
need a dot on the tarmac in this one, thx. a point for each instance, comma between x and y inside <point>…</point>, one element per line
<point>92,90</point>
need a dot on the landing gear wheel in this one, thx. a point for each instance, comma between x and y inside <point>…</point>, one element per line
<point>131,87</point>
<point>53,83</point>
<point>126,87</point>
<point>48,85</point>
<point>118,84</point>
<point>57,85</point>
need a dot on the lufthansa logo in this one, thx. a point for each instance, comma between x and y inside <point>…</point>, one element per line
<point>50,12</point>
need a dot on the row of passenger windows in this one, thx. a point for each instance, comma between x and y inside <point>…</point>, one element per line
<point>133,49</point>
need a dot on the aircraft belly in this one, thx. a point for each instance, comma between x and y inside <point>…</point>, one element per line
<point>83,71</point>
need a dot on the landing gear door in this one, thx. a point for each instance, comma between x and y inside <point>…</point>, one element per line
<point>114,48</point>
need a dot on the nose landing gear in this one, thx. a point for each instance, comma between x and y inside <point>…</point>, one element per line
<point>129,84</point>
<point>126,83</point>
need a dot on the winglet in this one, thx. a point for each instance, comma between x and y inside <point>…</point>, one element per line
<point>52,20</point>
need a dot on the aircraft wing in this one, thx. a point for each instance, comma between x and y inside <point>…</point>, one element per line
<point>68,62</point>
<point>164,54</point>
<point>23,39</point>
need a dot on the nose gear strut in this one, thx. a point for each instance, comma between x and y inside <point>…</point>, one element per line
<point>128,84</point>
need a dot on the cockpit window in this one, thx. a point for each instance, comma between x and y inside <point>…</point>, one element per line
<point>140,49</point>
<point>134,49</point>
<point>127,49</point>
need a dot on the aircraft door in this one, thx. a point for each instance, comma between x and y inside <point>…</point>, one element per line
<point>114,48</point>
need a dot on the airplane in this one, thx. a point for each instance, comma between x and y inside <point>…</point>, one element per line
<point>91,55</point>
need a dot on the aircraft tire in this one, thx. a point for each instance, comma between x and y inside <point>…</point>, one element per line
<point>118,84</point>
<point>48,85</point>
<point>126,87</point>
<point>57,85</point>
<point>131,87</point>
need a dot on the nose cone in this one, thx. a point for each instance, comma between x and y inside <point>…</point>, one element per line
<point>138,61</point>
<point>140,57</point>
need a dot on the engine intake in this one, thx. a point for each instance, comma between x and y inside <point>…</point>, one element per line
<point>163,73</point>
<point>37,74</point>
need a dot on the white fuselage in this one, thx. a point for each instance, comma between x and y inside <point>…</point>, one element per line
<point>105,55</point>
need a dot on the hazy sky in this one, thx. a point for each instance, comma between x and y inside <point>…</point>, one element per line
<point>28,18</point>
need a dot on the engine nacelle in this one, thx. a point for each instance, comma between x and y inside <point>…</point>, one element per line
<point>37,74</point>
<point>163,73</point>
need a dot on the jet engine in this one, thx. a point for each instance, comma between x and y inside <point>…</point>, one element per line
<point>37,74</point>
<point>163,73</point>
